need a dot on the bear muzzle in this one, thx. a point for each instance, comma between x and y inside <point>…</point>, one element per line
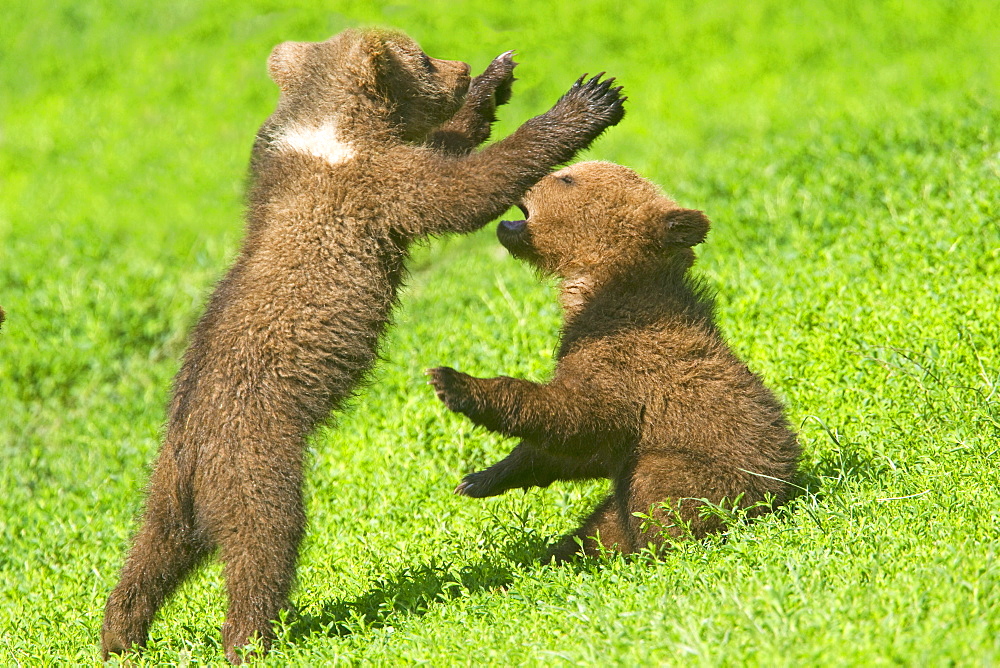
<point>515,236</point>
<point>513,226</point>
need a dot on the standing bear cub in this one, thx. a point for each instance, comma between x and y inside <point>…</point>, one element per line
<point>646,392</point>
<point>370,148</point>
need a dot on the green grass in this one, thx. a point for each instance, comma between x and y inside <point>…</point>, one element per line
<point>849,158</point>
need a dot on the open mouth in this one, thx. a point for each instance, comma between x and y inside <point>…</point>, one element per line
<point>515,226</point>
<point>514,234</point>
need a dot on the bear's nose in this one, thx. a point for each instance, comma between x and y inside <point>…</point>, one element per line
<point>513,225</point>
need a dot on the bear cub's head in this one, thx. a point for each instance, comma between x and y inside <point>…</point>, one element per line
<point>360,79</point>
<point>598,219</point>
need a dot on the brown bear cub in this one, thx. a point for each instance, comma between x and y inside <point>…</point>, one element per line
<point>370,148</point>
<point>646,392</point>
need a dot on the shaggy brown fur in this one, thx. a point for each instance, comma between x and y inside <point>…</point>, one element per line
<point>346,173</point>
<point>646,391</point>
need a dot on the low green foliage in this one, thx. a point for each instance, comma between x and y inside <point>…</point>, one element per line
<point>849,158</point>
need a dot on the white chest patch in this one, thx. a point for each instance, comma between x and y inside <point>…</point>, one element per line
<point>320,141</point>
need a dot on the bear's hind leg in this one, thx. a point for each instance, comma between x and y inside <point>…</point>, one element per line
<point>670,492</point>
<point>259,546</point>
<point>528,466</point>
<point>603,529</point>
<point>164,551</point>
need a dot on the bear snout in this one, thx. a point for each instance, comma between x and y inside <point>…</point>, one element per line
<point>516,226</point>
<point>515,237</point>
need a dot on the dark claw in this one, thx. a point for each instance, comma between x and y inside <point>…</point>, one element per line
<point>592,105</point>
<point>502,60</point>
<point>494,85</point>
<point>464,488</point>
<point>479,485</point>
<point>470,490</point>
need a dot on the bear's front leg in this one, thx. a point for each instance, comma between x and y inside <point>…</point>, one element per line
<point>568,416</point>
<point>498,404</point>
<point>524,467</point>
<point>529,466</point>
<point>508,406</point>
<point>472,124</point>
<point>461,194</point>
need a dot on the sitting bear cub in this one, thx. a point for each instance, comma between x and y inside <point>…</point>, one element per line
<point>646,392</point>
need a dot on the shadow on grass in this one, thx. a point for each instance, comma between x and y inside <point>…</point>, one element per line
<point>414,589</point>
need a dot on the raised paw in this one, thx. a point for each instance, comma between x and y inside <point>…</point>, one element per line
<point>493,87</point>
<point>502,71</point>
<point>450,386</point>
<point>596,97</point>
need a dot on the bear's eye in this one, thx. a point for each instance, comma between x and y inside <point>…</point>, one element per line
<point>425,60</point>
<point>568,180</point>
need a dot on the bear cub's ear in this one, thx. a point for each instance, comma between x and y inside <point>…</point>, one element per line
<point>684,227</point>
<point>672,226</point>
<point>285,64</point>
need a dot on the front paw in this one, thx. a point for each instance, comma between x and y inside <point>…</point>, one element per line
<point>480,484</point>
<point>595,98</point>
<point>492,88</point>
<point>451,387</point>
